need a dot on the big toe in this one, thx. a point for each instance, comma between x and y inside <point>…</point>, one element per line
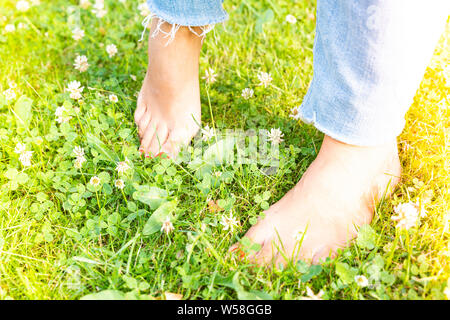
<point>140,111</point>
<point>143,123</point>
<point>177,139</point>
<point>147,136</point>
<point>257,234</point>
<point>158,140</point>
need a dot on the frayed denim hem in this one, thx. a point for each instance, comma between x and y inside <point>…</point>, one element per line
<point>206,24</point>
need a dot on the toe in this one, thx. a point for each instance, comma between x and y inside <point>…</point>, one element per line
<point>177,138</point>
<point>143,123</point>
<point>234,247</point>
<point>140,110</point>
<point>279,261</point>
<point>258,233</point>
<point>148,136</point>
<point>321,254</point>
<point>265,255</point>
<point>327,251</point>
<point>170,148</point>
<point>159,138</point>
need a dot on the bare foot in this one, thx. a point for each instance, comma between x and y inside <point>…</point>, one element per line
<point>336,194</point>
<point>168,107</point>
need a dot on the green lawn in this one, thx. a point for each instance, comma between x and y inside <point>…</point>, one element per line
<point>62,238</point>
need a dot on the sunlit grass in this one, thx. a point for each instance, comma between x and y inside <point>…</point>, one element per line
<point>54,246</point>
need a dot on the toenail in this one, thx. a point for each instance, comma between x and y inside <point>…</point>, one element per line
<point>239,251</point>
<point>160,155</point>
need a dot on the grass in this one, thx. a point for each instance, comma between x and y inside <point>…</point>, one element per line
<point>62,238</point>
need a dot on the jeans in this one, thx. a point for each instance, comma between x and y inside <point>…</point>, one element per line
<point>369,57</point>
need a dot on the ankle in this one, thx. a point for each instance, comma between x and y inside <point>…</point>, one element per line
<point>378,150</point>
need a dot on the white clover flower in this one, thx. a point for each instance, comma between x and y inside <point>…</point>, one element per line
<point>113,98</point>
<point>218,174</point>
<point>264,78</point>
<point>95,181</point>
<point>25,158</point>
<point>99,9</point>
<point>38,141</point>
<point>59,111</point>
<point>73,85</point>
<point>81,63</point>
<point>100,13</point>
<point>10,28</point>
<point>9,94</point>
<point>210,76</point>
<point>77,34</point>
<point>408,215</point>
<point>111,50</point>
<point>294,113</point>
<point>22,5</point>
<point>447,290</point>
<point>167,226</point>
<point>361,281</point>
<point>78,163</point>
<point>20,147</point>
<point>247,93</point>
<point>119,184</point>
<point>78,151</point>
<point>291,19</point>
<point>75,89</point>
<point>143,9</point>
<point>61,115</point>
<point>85,4</point>
<point>274,136</point>
<point>229,222</point>
<point>122,166</point>
<point>22,25</point>
<point>207,133</point>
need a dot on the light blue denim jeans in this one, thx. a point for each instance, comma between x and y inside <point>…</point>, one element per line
<point>369,58</point>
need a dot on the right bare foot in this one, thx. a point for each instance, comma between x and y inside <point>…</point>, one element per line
<point>168,107</point>
<point>334,197</point>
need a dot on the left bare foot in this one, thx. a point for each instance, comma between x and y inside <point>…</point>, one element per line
<point>336,195</point>
<point>168,108</point>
